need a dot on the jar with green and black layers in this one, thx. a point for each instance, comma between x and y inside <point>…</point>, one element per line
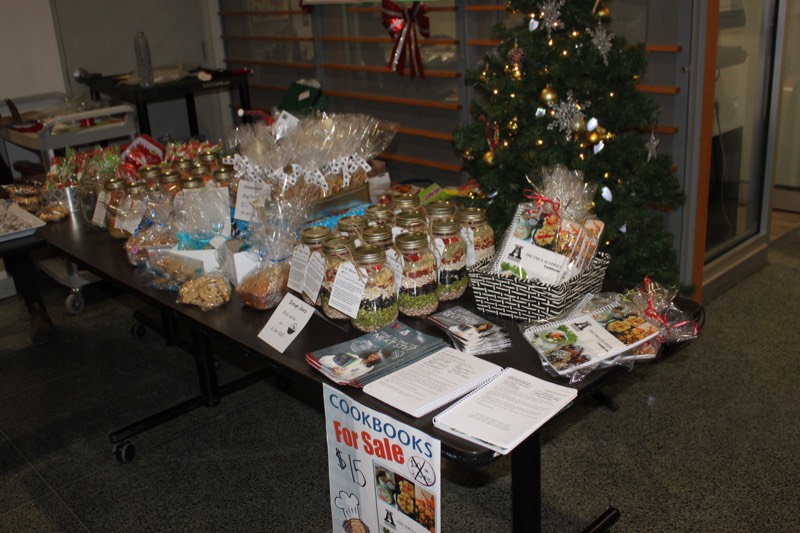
<point>378,305</point>
<point>451,252</point>
<point>417,295</point>
<point>337,250</point>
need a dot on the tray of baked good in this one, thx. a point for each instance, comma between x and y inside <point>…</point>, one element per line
<point>15,222</point>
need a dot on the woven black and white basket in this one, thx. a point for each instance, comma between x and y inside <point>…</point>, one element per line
<point>522,299</point>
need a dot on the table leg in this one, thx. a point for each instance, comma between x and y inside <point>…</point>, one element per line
<point>206,371</point>
<point>244,98</point>
<point>191,110</point>
<point>144,118</point>
<point>526,485</point>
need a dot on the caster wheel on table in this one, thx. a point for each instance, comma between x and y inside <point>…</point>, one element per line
<point>124,452</point>
<point>138,330</point>
<point>74,303</point>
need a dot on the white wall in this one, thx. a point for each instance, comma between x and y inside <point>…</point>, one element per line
<point>29,61</point>
<point>44,41</point>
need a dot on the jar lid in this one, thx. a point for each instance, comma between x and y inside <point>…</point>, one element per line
<point>169,176</point>
<point>445,227</point>
<point>315,234</point>
<point>378,234</point>
<point>352,222</point>
<point>409,218</point>
<point>413,241</point>
<point>208,157</point>
<point>191,183</point>
<point>199,171</point>
<point>114,184</point>
<point>406,200</point>
<point>337,245</point>
<point>440,208</point>
<point>149,172</point>
<point>369,253</point>
<point>135,188</point>
<point>379,211</point>
<point>223,174</point>
<point>472,215</point>
<point>182,164</point>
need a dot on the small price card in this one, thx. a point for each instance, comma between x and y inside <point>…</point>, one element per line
<point>289,319</point>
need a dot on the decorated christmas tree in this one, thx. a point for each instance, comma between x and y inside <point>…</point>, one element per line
<point>560,88</point>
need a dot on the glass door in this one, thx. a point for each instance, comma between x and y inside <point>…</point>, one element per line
<point>787,160</point>
<point>739,144</point>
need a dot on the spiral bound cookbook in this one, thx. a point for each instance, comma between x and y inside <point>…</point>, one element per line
<point>430,383</point>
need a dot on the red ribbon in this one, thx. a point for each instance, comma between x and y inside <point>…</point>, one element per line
<point>555,205</point>
<point>402,24</point>
<point>492,131</point>
<point>652,313</point>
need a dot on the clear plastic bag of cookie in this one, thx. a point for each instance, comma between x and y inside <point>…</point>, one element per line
<point>207,292</point>
<point>265,286</point>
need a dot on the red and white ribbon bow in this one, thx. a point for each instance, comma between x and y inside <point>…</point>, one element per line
<point>402,24</point>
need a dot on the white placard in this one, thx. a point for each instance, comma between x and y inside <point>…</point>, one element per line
<point>129,223</point>
<point>536,262</point>
<point>286,121</point>
<point>245,194</point>
<point>288,320</point>
<point>347,290</point>
<point>384,475</point>
<point>468,234</point>
<point>99,216</point>
<point>297,270</point>
<point>396,264</point>
<point>315,274</point>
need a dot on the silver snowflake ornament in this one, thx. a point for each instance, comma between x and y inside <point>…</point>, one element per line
<point>601,39</point>
<point>551,15</point>
<point>652,146</point>
<point>566,113</point>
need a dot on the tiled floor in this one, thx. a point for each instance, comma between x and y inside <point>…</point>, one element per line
<point>704,440</point>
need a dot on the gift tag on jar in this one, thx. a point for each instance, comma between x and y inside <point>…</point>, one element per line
<point>394,262</point>
<point>347,290</point>
<point>438,251</point>
<point>99,217</point>
<point>468,234</point>
<point>129,218</point>
<point>315,273</point>
<point>297,272</point>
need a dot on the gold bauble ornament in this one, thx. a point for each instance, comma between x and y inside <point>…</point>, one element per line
<point>548,96</point>
<point>593,137</point>
<point>578,125</point>
<point>488,158</point>
<point>603,12</point>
